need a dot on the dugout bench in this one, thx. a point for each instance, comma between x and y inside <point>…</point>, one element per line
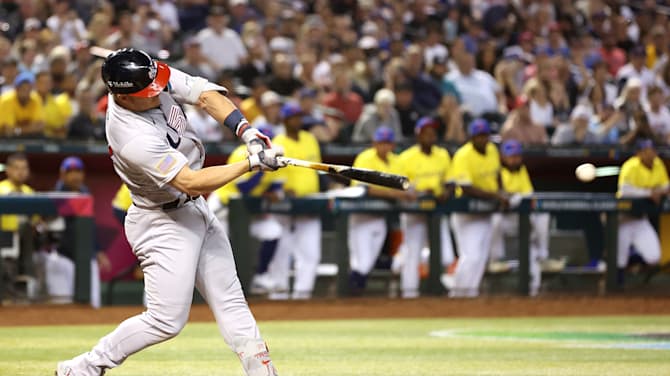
<point>242,209</point>
<point>78,212</point>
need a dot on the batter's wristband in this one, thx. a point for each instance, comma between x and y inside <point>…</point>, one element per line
<point>236,122</point>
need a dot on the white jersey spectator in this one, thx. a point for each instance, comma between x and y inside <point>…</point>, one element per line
<point>658,114</point>
<point>224,45</point>
<point>637,69</point>
<point>167,11</point>
<point>479,90</point>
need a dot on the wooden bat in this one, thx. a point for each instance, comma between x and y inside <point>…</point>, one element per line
<point>361,174</point>
<point>99,51</point>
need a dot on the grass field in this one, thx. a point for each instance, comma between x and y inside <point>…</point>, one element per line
<point>518,346</point>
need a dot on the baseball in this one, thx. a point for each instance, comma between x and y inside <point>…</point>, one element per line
<point>586,172</point>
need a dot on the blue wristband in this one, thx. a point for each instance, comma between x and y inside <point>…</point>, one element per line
<point>235,121</point>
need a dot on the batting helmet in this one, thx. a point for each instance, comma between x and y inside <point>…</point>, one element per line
<point>134,72</point>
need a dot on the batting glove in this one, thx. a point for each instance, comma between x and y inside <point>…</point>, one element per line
<point>255,141</point>
<point>266,159</point>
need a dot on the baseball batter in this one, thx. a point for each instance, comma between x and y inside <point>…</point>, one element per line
<point>367,232</point>
<point>177,239</point>
<point>475,169</point>
<point>516,182</point>
<point>642,175</point>
<point>427,166</point>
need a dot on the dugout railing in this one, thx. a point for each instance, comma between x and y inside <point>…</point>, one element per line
<point>242,209</point>
<point>77,210</point>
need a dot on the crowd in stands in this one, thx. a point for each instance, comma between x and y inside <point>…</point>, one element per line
<point>544,72</point>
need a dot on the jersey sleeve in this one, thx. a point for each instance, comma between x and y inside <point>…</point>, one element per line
<point>187,89</point>
<point>154,158</point>
<point>459,172</point>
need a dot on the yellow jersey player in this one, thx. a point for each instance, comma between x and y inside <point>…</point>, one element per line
<point>427,166</point>
<point>475,169</point>
<point>516,182</point>
<point>301,237</point>
<point>367,232</point>
<point>642,175</point>
<point>265,227</point>
<point>21,110</point>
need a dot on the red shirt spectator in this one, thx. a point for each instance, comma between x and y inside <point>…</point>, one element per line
<point>614,56</point>
<point>347,102</point>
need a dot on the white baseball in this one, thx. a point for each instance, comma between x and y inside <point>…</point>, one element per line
<point>586,172</point>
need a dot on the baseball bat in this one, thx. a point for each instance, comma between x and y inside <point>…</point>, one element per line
<point>361,174</point>
<point>99,51</point>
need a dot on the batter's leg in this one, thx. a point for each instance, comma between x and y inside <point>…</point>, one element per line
<point>217,282</point>
<point>167,246</point>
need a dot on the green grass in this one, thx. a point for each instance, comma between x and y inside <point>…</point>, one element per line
<point>519,346</point>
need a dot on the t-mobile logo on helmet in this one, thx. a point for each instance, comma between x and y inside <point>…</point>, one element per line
<point>119,84</point>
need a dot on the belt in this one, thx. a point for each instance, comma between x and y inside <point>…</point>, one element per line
<point>178,202</point>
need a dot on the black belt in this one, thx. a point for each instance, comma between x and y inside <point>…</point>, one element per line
<point>175,204</point>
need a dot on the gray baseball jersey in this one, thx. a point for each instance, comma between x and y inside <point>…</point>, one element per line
<point>149,148</point>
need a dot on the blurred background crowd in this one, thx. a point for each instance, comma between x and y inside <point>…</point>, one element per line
<point>556,72</point>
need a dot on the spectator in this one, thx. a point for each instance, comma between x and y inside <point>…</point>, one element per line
<point>168,12</point>
<point>126,35</point>
<point>642,175</point>
<point>404,105</point>
<point>15,228</point>
<point>640,130</point>
<point>282,80</point>
<point>88,124</point>
<point>380,113</point>
<point>636,68</point>
<point>613,56</point>
<point>476,169</point>
<point>602,92</point>
<point>577,132</point>
<point>481,94</point>
<point>57,109</point>
<point>155,33</point>
<point>657,49</point>
<point>21,112</point>
<point>66,23</point>
<point>10,69</point>
<point>301,234</point>
<point>541,110</point>
<point>426,95</point>
<point>270,106</point>
<point>450,120</point>
<point>658,114</point>
<point>218,34</point>
<point>251,106</point>
<point>257,65</point>
<point>194,62</point>
<point>520,126</point>
<point>348,103</point>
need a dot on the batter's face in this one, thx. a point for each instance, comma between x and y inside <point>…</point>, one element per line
<point>137,104</point>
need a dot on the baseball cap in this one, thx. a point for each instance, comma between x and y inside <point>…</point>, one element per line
<point>479,126</point>
<point>24,77</point>
<point>269,98</point>
<point>424,122</point>
<point>511,147</point>
<point>266,129</point>
<point>644,143</point>
<point>289,110</point>
<point>383,134</point>
<point>133,72</point>
<point>71,163</point>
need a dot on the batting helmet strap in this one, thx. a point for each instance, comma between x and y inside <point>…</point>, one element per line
<point>134,72</point>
